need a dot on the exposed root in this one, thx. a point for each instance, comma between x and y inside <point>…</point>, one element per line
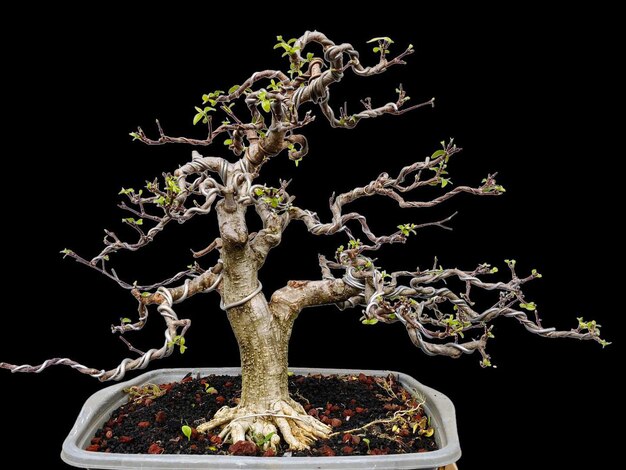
<point>264,425</point>
<point>398,417</point>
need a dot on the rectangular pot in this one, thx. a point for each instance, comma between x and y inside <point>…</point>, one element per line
<point>98,409</point>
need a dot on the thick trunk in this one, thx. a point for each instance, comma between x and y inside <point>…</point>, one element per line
<point>262,337</point>
<point>265,408</point>
<point>263,342</point>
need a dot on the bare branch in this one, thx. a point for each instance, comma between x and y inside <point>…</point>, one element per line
<point>171,201</point>
<point>389,187</point>
<point>214,245</point>
<point>208,281</point>
<point>174,335</point>
<point>200,164</point>
<point>221,99</point>
<point>111,274</point>
<point>174,332</point>
<point>130,347</point>
<point>297,295</point>
<point>317,89</point>
<point>420,307</point>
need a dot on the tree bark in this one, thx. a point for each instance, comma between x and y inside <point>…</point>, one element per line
<point>262,333</point>
<point>263,343</point>
<point>262,338</point>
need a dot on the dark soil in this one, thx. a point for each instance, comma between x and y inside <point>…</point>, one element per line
<point>153,419</point>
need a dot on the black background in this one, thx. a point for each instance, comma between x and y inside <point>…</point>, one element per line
<point>529,94</point>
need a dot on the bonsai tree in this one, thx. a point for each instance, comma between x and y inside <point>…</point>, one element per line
<point>261,119</point>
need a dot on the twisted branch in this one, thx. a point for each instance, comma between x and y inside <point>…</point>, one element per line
<point>389,187</point>
<point>174,332</point>
<point>274,109</point>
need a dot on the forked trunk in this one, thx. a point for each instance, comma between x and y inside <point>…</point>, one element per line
<point>265,408</point>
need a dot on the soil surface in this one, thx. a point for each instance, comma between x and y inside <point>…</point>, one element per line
<point>369,415</point>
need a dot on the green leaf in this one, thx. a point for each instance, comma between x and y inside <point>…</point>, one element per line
<point>228,142</point>
<point>354,243</point>
<point>297,162</point>
<point>172,185</point>
<point>233,89</point>
<point>536,274</point>
<point>146,294</point>
<point>370,321</point>
<point>183,348</point>
<point>135,136</point>
<point>531,306</point>
<point>197,118</point>
<point>186,431</point>
<point>376,49</point>
<point>265,104</point>
<point>139,221</point>
<point>126,191</point>
<point>125,320</point>
<point>66,251</point>
<point>445,182</point>
<point>437,154</point>
<point>494,270</point>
